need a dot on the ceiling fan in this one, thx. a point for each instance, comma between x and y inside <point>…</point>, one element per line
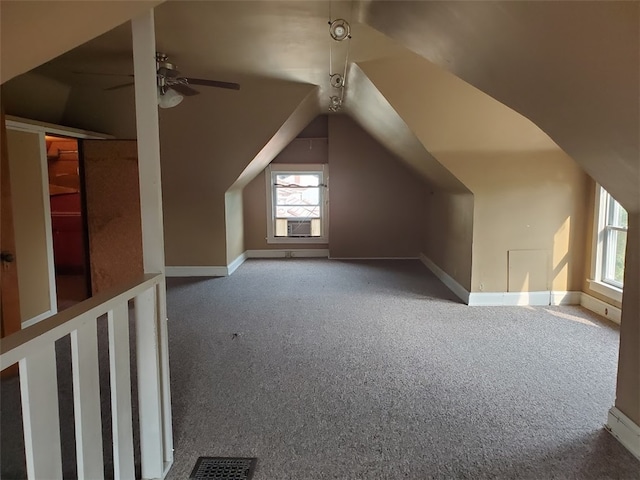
<point>172,87</point>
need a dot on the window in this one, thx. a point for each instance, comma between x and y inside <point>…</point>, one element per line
<point>297,199</point>
<point>610,241</point>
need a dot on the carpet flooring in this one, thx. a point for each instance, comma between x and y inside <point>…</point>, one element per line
<point>327,369</point>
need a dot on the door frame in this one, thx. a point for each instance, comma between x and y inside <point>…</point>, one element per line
<point>43,129</point>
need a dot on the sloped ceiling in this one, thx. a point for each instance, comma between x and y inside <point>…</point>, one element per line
<point>376,115</point>
<point>233,41</point>
<point>34,32</point>
<point>570,67</point>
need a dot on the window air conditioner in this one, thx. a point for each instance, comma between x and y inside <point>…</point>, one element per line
<point>298,228</point>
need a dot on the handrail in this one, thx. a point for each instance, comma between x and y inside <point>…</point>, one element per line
<point>15,347</point>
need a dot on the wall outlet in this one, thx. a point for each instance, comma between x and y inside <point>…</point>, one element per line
<point>287,254</point>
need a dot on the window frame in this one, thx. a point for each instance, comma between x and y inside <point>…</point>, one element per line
<point>598,282</point>
<point>283,168</point>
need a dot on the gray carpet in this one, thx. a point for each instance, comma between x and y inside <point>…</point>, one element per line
<point>373,370</point>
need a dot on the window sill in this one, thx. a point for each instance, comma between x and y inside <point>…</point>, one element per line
<point>300,240</point>
<point>608,291</point>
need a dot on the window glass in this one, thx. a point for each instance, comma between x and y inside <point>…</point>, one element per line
<point>614,242</point>
<point>298,206</point>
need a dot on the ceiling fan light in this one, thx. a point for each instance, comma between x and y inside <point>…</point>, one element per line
<point>170,98</point>
<point>339,29</point>
<point>335,103</point>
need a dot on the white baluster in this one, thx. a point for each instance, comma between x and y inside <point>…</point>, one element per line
<point>164,372</point>
<point>86,398</point>
<point>149,397</point>
<point>39,389</point>
<point>122,422</point>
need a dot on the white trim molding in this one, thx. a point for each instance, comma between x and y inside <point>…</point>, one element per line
<point>509,298</point>
<point>289,253</point>
<point>38,318</point>
<point>213,271</point>
<point>196,271</point>
<point>233,266</point>
<point>565,298</point>
<point>461,292</point>
<point>601,308</point>
<point>609,291</point>
<point>374,258</point>
<point>28,125</point>
<point>320,169</point>
<point>625,430</point>
<point>540,298</point>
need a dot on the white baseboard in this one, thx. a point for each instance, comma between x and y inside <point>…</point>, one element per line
<point>37,318</point>
<point>198,271</point>
<point>624,430</point>
<point>601,308</point>
<point>565,298</point>
<point>501,298</point>
<point>447,279</point>
<point>195,271</point>
<point>289,253</point>
<point>509,298</point>
<point>373,258</point>
<point>233,266</point>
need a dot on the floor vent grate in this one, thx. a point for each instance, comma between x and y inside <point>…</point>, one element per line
<point>223,468</point>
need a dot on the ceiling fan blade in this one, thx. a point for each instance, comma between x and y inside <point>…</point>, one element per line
<point>213,83</point>
<point>168,72</point>
<point>104,74</point>
<point>183,89</point>
<point>118,87</point>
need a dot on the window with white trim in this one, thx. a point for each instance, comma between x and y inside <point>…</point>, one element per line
<point>610,240</point>
<point>297,203</point>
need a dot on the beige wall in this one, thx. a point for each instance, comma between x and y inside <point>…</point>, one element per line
<point>533,201</point>
<point>206,143</point>
<point>310,146</point>
<point>30,218</point>
<point>234,224</point>
<point>543,60</point>
<point>375,114</point>
<point>376,206</point>
<point>628,389</point>
<point>376,203</point>
<point>448,233</point>
<point>528,194</point>
<point>234,205</point>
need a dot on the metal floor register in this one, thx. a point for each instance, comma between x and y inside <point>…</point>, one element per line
<point>223,468</point>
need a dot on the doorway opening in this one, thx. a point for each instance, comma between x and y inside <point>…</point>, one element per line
<point>68,221</point>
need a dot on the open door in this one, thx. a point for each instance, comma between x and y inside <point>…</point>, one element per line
<point>10,321</point>
<point>109,169</point>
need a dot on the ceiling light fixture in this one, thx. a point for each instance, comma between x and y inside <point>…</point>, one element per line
<point>335,103</point>
<point>168,98</point>
<point>339,30</point>
<point>337,80</point>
